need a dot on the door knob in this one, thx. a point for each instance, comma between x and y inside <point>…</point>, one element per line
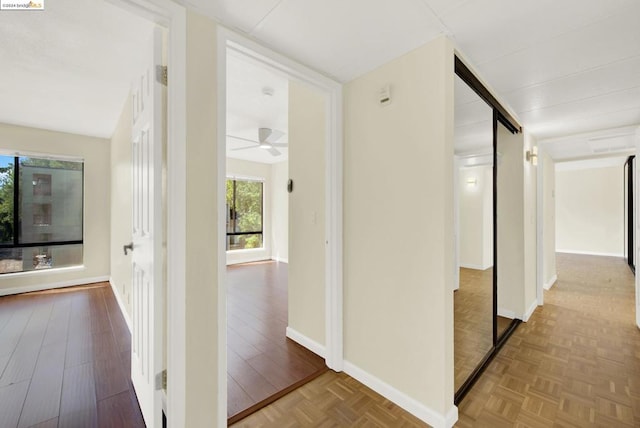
<point>128,247</point>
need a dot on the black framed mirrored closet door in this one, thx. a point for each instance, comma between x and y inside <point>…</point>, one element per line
<point>486,281</point>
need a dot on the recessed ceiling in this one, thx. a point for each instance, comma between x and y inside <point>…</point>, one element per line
<point>69,68</point>
<point>257,97</point>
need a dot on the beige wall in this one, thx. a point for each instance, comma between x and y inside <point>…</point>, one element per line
<point>201,284</point>
<point>121,206</point>
<point>398,173</point>
<point>280,212</point>
<point>95,152</point>
<point>245,169</point>
<point>589,211</point>
<point>476,218</point>
<point>307,134</point>
<point>549,219</point>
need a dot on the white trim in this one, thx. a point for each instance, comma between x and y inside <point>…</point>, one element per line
<point>411,405</point>
<point>530,311</point>
<point>551,282</point>
<point>590,253</point>
<point>280,259</point>
<point>506,313</point>
<point>123,309</point>
<point>52,285</point>
<point>303,340</point>
<point>229,41</point>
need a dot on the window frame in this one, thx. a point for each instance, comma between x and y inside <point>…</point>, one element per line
<point>233,209</point>
<point>16,207</point>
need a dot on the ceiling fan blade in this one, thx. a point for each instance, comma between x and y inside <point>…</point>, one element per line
<point>274,151</point>
<point>280,144</point>
<point>245,148</point>
<point>243,139</point>
<point>274,136</point>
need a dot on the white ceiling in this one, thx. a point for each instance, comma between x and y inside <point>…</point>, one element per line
<point>564,68</point>
<point>473,122</point>
<point>69,67</point>
<point>249,109</point>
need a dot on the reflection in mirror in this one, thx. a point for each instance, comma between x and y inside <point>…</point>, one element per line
<point>473,297</point>
<point>510,252</point>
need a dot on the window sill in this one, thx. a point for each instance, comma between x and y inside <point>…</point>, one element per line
<point>59,270</point>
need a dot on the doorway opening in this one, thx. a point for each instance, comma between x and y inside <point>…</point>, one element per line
<point>278,279</point>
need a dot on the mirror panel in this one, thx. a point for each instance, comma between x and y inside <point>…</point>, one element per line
<point>473,298</point>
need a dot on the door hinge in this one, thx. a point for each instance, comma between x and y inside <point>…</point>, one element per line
<point>161,380</point>
<point>162,74</point>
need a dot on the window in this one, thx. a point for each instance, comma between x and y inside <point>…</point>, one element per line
<point>41,213</point>
<point>244,214</point>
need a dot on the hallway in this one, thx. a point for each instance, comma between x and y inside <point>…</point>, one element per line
<point>576,362</point>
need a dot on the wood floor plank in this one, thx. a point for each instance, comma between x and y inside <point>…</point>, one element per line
<point>11,399</point>
<point>43,399</point>
<point>110,378</point>
<point>25,355</point>
<point>78,405</point>
<point>51,423</point>
<point>119,411</point>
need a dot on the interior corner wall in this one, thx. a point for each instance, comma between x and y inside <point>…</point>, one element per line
<point>245,169</point>
<point>589,211</point>
<point>121,209</point>
<point>280,212</point>
<point>530,195</point>
<point>201,237</point>
<point>398,229</point>
<point>306,273</point>
<point>95,152</point>
<point>475,216</point>
<point>549,220</point>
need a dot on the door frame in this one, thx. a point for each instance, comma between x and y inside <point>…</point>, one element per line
<point>173,18</point>
<point>227,39</point>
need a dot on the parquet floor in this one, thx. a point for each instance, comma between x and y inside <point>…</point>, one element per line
<point>331,400</point>
<point>65,360</point>
<point>575,363</point>
<point>263,364</point>
<point>473,321</point>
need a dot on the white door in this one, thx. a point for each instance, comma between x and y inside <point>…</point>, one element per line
<point>147,281</point>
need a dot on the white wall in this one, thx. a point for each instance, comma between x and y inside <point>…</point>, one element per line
<point>240,169</point>
<point>121,206</point>
<point>306,279</point>
<point>589,210</point>
<point>279,212</point>
<point>549,220</point>
<point>95,152</point>
<point>476,217</point>
<point>398,304</point>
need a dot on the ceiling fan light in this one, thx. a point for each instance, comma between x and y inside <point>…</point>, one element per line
<point>265,145</point>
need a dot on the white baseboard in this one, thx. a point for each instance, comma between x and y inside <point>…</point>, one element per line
<point>303,340</point>
<point>52,285</point>
<point>531,310</point>
<point>591,253</point>
<point>419,410</point>
<point>506,313</point>
<point>123,309</point>
<point>281,259</point>
<point>550,283</point>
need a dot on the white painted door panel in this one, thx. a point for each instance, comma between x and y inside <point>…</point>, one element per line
<point>146,346</point>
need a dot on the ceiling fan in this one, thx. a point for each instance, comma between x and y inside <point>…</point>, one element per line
<point>267,139</point>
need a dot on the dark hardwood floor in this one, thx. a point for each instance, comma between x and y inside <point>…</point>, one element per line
<point>65,360</point>
<point>263,364</point>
